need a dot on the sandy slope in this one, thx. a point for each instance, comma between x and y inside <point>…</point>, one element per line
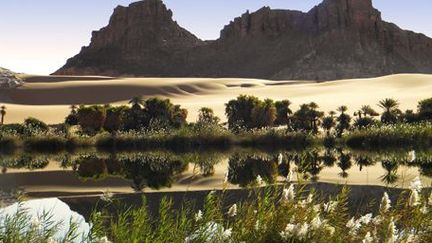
<point>48,97</point>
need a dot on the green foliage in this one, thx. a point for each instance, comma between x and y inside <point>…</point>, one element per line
<point>264,114</point>
<point>91,118</point>
<point>425,109</point>
<point>364,122</point>
<point>343,121</point>
<point>307,118</point>
<point>114,118</point>
<point>249,112</point>
<point>391,110</point>
<point>33,123</point>
<point>393,135</point>
<point>239,112</point>
<point>283,112</point>
<point>284,213</point>
<point>13,129</point>
<point>328,123</point>
<point>207,116</point>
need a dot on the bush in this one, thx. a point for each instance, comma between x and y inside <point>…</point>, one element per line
<point>114,118</point>
<point>91,118</point>
<point>13,129</point>
<point>425,109</point>
<point>396,135</point>
<point>34,124</point>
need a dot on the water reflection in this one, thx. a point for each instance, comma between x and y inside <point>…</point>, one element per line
<point>160,170</point>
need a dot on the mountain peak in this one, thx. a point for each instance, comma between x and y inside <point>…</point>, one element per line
<point>341,14</point>
<point>336,39</point>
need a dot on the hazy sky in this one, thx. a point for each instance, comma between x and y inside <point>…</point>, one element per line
<point>37,36</point>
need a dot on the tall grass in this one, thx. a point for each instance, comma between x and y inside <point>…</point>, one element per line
<point>190,138</point>
<point>286,213</point>
<point>397,135</point>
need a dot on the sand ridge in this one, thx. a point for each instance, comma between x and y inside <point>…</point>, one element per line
<point>48,97</point>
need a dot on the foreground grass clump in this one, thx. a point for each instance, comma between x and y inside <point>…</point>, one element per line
<point>397,135</point>
<point>271,214</point>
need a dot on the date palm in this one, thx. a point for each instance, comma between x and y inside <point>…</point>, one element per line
<point>368,111</point>
<point>73,109</point>
<point>2,113</point>
<point>389,105</point>
<point>391,110</point>
<point>342,109</point>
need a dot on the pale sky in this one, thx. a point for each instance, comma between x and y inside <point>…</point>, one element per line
<point>37,36</point>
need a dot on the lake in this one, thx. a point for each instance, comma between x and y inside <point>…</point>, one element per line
<point>84,173</point>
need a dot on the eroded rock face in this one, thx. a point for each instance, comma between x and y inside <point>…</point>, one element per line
<point>9,79</point>
<point>334,40</point>
<point>139,39</point>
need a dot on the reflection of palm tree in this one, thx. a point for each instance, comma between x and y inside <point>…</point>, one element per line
<point>244,169</point>
<point>329,158</point>
<point>391,176</point>
<point>344,163</point>
<point>363,160</point>
<point>138,183</point>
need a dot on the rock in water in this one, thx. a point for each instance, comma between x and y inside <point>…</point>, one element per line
<point>57,211</point>
<point>334,40</point>
<point>9,79</point>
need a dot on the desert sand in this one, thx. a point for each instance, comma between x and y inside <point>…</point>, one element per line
<point>48,97</point>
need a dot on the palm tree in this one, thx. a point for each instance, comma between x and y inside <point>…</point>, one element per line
<point>2,113</point>
<point>342,109</point>
<point>391,110</point>
<point>73,109</point>
<point>344,121</point>
<point>389,104</point>
<point>137,102</point>
<point>315,115</point>
<point>368,111</point>
<point>328,123</point>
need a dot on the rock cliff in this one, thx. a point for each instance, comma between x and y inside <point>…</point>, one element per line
<point>9,79</point>
<point>334,40</point>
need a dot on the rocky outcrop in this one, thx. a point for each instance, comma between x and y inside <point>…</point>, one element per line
<point>9,79</point>
<point>334,40</point>
<point>139,39</point>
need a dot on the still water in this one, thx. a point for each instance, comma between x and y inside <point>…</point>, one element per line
<point>92,173</point>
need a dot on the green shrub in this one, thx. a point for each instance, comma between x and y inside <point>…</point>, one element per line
<point>395,135</point>
<point>91,118</point>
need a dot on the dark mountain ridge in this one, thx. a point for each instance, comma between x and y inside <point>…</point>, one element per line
<point>336,39</point>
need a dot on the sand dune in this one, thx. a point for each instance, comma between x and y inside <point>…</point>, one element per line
<point>48,97</point>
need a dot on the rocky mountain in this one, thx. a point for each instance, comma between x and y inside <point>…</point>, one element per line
<point>9,79</point>
<point>334,40</point>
